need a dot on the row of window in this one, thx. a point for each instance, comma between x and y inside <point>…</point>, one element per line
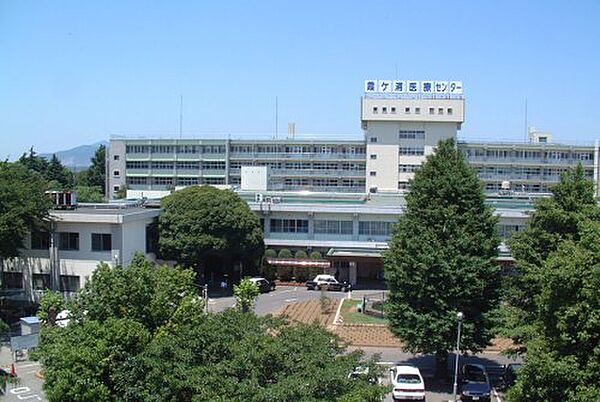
<point>411,135</point>
<point>326,166</point>
<point>365,228</point>
<point>14,280</point>
<point>411,151</point>
<point>552,155</point>
<point>298,149</point>
<point>408,110</point>
<point>161,165</point>
<point>171,149</point>
<point>299,182</point>
<point>173,181</point>
<point>69,241</point>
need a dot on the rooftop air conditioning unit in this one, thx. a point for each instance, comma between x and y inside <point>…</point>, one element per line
<point>63,199</point>
<point>373,190</point>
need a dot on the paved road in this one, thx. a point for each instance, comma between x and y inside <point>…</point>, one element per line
<point>29,387</point>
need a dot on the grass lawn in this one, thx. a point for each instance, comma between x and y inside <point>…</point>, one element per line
<point>351,316</point>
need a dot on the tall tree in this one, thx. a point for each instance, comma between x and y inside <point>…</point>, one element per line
<point>563,355</point>
<point>96,173</point>
<point>555,219</point>
<point>441,259</point>
<point>23,207</point>
<point>34,162</point>
<point>202,226</point>
<point>57,173</point>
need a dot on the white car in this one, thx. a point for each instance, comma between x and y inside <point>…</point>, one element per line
<point>407,383</point>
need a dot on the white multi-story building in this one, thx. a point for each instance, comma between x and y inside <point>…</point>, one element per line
<point>64,258</point>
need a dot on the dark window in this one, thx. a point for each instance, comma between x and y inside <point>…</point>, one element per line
<point>40,281</point>
<point>69,283</point>
<point>68,241</point>
<point>12,280</point>
<point>289,226</point>
<point>40,240</point>
<point>101,242</point>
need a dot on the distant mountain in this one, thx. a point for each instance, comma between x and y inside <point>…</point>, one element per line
<point>76,158</point>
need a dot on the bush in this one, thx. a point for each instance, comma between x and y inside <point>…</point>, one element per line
<point>315,255</point>
<point>284,253</point>
<point>270,253</point>
<point>268,271</point>
<point>314,271</point>
<point>301,254</point>
<point>284,274</point>
<point>301,273</point>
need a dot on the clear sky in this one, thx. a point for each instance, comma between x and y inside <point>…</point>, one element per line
<point>76,72</point>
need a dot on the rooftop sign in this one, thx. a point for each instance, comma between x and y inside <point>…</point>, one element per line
<point>416,88</point>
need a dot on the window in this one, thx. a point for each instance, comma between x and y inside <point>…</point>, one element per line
<point>375,111</point>
<point>163,181</point>
<point>418,110</point>
<point>69,283</point>
<point>333,227</point>
<point>450,111</point>
<point>101,242</point>
<point>116,173</point>
<point>384,110</point>
<point>117,188</point>
<point>68,241</point>
<point>136,165</point>
<point>411,151</point>
<point>373,139</point>
<point>374,228</point>
<point>441,110</point>
<point>407,110</point>
<point>408,168</point>
<point>12,280</point>
<point>393,110</point>
<point>373,156</point>
<point>135,180</point>
<point>289,226</point>
<point>372,174</point>
<point>162,165</point>
<point>40,240</point>
<point>431,110</point>
<point>543,139</point>
<point>40,281</point>
<point>412,134</point>
<point>115,157</point>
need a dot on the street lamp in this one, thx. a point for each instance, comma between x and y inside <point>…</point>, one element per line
<point>459,317</point>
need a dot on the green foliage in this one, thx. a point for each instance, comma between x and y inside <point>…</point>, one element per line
<point>96,174</point>
<point>202,222</point>
<point>315,255</point>
<point>270,253</point>
<point>284,253</point>
<point>128,354</point>
<point>314,271</point>
<point>563,349</point>
<point>121,193</point>
<point>57,176</point>
<point>284,273</point>
<point>301,273</point>
<point>300,254</point>
<point>48,300</point>
<point>441,259</point>
<point>23,206</point>
<point>245,294</point>
<point>89,194</point>
<point>4,327</point>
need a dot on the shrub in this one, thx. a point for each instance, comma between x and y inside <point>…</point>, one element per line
<point>314,271</point>
<point>270,253</point>
<point>315,255</point>
<point>284,273</point>
<point>301,254</point>
<point>284,253</point>
<point>269,272</point>
<point>301,274</point>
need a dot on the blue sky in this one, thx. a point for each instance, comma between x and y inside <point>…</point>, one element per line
<point>76,72</point>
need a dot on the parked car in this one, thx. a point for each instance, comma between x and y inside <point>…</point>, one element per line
<point>509,376</point>
<point>365,374</point>
<point>263,285</point>
<point>475,384</point>
<point>327,282</point>
<point>407,383</point>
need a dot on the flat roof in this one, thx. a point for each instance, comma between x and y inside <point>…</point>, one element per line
<point>104,213</point>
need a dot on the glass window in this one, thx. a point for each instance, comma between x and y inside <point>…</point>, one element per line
<point>40,240</point>
<point>40,281</point>
<point>69,283</point>
<point>289,226</point>
<point>12,280</point>
<point>68,241</point>
<point>101,242</point>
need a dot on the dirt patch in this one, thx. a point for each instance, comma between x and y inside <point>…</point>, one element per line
<point>309,312</point>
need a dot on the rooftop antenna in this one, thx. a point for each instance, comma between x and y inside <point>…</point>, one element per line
<point>180,115</point>
<point>526,122</point>
<point>276,117</point>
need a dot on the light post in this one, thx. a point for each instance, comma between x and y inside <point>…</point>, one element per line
<point>459,317</point>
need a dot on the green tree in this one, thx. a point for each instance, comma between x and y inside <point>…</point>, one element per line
<point>33,161</point>
<point>123,352</point>
<point>284,253</point>
<point>50,301</point>
<point>563,357</point>
<point>556,219</point>
<point>270,253</point>
<point>301,254</point>
<point>23,207</point>
<point>59,174</point>
<point>202,226</point>
<point>96,173</point>
<point>315,255</point>
<point>441,259</point>
<point>89,194</point>
<point>245,294</point>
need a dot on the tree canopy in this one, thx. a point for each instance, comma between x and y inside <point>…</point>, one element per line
<point>441,259</point>
<point>143,336</point>
<point>96,173</point>
<point>23,206</point>
<point>200,223</point>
